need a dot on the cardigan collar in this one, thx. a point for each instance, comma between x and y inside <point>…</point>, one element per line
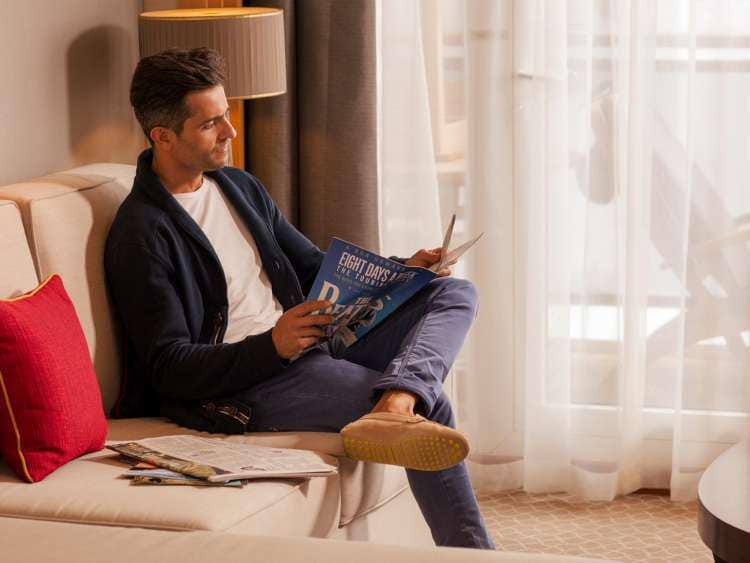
<point>148,183</point>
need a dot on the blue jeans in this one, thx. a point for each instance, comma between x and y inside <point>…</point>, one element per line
<point>412,350</point>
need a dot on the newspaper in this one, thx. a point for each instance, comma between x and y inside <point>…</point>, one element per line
<point>365,288</point>
<point>216,460</point>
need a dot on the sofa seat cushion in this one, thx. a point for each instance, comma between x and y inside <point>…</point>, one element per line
<point>367,486</point>
<point>364,486</point>
<point>88,490</point>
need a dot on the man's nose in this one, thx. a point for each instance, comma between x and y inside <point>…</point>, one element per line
<point>229,131</point>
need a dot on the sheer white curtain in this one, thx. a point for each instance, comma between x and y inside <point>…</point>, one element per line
<point>409,204</point>
<point>602,145</point>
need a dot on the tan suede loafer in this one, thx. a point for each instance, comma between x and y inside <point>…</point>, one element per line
<point>409,441</point>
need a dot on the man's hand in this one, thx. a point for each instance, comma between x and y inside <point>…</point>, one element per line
<point>297,330</point>
<point>426,258</point>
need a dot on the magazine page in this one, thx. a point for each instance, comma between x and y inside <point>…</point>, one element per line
<point>364,288</point>
<point>215,459</point>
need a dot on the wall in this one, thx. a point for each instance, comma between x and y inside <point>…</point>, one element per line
<point>66,69</point>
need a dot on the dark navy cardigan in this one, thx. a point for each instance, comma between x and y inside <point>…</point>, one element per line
<point>170,293</point>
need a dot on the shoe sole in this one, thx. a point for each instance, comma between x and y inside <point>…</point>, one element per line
<point>424,453</point>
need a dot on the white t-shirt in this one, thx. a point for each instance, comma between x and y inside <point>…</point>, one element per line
<point>253,308</point>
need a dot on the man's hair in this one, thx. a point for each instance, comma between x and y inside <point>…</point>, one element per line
<point>162,81</point>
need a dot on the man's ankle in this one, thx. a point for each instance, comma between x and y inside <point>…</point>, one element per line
<point>396,401</point>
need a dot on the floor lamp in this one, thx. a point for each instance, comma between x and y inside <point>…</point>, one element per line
<point>251,40</point>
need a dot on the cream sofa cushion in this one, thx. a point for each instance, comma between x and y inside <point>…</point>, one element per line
<point>88,490</point>
<point>367,486</point>
<point>18,268</point>
<point>364,486</point>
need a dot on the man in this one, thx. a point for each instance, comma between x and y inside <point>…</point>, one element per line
<point>209,280</point>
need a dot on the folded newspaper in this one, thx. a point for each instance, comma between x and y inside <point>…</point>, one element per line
<point>216,459</point>
<point>364,288</point>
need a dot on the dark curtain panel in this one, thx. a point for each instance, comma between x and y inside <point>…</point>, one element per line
<point>315,148</point>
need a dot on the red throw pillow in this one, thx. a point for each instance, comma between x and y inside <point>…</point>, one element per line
<point>50,405</point>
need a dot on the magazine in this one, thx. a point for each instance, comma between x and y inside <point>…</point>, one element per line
<point>182,480</point>
<point>216,460</point>
<point>143,473</point>
<point>364,288</point>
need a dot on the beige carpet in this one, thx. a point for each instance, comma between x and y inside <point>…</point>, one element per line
<point>639,527</point>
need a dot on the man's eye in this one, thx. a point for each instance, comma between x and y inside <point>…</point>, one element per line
<point>208,125</point>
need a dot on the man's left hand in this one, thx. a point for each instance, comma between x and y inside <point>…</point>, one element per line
<point>426,259</point>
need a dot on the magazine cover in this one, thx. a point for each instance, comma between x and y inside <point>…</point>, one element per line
<point>364,288</point>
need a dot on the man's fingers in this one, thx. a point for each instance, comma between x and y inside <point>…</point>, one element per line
<point>311,320</point>
<point>309,332</point>
<point>305,343</point>
<point>425,258</point>
<point>444,272</point>
<point>308,307</point>
<point>428,254</point>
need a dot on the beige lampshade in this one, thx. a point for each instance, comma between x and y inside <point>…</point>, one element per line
<point>250,39</point>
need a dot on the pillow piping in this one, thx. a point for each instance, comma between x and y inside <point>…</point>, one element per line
<point>15,429</point>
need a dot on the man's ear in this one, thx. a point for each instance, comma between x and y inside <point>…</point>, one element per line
<point>162,137</point>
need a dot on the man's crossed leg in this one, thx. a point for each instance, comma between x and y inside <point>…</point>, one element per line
<point>398,368</point>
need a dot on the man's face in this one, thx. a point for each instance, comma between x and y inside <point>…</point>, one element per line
<point>206,135</point>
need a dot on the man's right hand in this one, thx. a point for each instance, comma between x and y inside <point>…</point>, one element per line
<point>297,330</point>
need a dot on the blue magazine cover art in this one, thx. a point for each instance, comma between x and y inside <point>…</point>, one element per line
<point>364,288</point>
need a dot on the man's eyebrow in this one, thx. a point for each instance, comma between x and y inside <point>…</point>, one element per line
<point>214,118</point>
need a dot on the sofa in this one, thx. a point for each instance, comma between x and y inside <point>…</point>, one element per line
<point>58,224</point>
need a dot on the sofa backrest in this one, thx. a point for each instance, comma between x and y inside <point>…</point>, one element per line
<point>18,275</point>
<point>67,217</point>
